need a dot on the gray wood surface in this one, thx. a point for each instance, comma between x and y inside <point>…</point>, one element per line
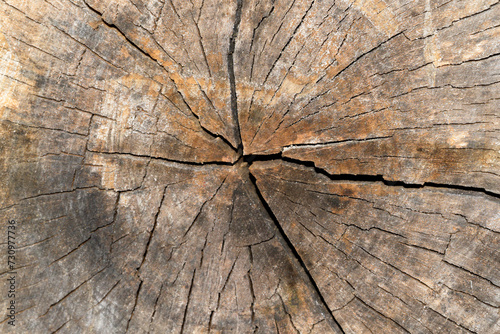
<point>251,166</point>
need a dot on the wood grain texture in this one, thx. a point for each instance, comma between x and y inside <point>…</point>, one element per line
<point>250,166</point>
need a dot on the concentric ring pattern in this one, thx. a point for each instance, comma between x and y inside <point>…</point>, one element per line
<point>252,166</point>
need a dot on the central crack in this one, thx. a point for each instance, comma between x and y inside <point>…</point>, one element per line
<point>244,161</point>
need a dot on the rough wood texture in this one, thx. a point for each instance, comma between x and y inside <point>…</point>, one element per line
<point>246,166</point>
<point>388,257</point>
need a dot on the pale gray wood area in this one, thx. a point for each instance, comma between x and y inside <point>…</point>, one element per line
<point>251,166</point>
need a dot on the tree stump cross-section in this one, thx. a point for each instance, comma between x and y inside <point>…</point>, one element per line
<point>250,166</point>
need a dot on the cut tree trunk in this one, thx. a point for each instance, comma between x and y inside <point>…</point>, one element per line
<point>250,166</point>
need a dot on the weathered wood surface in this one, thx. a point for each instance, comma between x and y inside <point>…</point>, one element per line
<point>391,258</point>
<point>130,134</point>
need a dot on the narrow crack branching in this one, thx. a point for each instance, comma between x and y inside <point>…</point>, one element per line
<point>295,253</point>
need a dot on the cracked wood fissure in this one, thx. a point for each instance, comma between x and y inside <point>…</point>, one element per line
<point>293,251</point>
<point>366,177</point>
<point>291,166</point>
<point>230,70</point>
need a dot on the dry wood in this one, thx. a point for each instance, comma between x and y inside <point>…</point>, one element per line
<point>248,166</point>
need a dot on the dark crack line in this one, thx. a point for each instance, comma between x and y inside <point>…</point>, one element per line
<point>155,223</point>
<point>230,70</point>
<point>187,302</point>
<point>135,305</point>
<point>364,54</point>
<point>366,177</point>
<point>210,133</point>
<point>145,156</point>
<point>293,250</point>
<point>113,26</point>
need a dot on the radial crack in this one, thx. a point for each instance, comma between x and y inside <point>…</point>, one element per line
<point>297,256</point>
<point>366,177</point>
<point>230,70</point>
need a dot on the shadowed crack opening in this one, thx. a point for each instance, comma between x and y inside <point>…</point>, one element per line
<point>232,79</point>
<point>364,177</point>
